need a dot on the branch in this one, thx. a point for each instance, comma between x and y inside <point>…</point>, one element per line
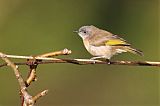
<point>32,75</point>
<point>41,94</point>
<point>27,99</point>
<point>56,53</point>
<point>39,57</point>
<point>88,61</point>
<point>16,71</point>
<point>33,61</point>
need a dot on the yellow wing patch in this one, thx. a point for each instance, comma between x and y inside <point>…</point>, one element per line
<point>114,42</point>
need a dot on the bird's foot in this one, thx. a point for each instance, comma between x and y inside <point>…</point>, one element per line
<point>101,58</point>
<point>108,61</point>
<point>95,58</point>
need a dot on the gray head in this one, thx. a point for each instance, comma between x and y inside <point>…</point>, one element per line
<point>86,31</point>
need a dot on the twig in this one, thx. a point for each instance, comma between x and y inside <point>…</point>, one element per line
<point>26,98</point>
<point>32,75</point>
<point>19,78</point>
<point>16,71</point>
<point>88,61</point>
<point>33,61</point>
<point>47,59</point>
<point>56,53</point>
<point>41,94</point>
<point>40,57</point>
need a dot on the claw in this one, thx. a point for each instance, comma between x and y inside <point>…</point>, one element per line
<point>104,59</point>
<point>108,61</point>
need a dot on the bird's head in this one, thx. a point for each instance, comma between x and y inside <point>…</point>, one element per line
<point>86,31</point>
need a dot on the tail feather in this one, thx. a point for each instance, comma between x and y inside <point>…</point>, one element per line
<point>134,51</point>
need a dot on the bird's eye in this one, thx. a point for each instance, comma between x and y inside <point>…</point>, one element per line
<point>85,32</point>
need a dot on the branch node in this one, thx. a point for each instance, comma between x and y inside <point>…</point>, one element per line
<point>66,51</point>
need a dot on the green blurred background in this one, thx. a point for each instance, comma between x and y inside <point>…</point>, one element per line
<point>30,27</point>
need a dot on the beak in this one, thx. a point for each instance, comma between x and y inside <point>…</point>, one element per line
<point>75,31</point>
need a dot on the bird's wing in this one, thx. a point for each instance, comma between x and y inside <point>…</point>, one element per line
<point>111,40</point>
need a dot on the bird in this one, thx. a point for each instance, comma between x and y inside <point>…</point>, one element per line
<point>102,44</point>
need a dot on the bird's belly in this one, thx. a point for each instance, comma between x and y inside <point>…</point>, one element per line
<point>104,51</point>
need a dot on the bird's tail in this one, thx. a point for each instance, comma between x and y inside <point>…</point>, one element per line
<point>134,51</point>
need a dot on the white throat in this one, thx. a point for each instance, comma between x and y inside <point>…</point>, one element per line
<point>82,36</point>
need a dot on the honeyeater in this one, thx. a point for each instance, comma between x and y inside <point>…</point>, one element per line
<point>103,44</point>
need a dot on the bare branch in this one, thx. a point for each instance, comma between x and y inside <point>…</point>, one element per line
<point>41,94</point>
<point>27,99</point>
<point>33,61</point>
<point>31,77</point>
<point>88,61</point>
<point>16,71</point>
<point>39,57</point>
<point>56,53</point>
<point>18,76</point>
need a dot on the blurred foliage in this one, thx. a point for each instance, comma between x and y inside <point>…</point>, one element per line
<point>30,27</point>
